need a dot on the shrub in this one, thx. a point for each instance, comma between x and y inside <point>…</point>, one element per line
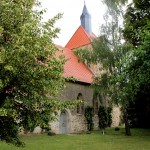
<point>89,117</point>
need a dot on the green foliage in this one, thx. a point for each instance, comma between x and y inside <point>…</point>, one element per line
<point>131,71</point>
<point>105,117</point>
<point>109,116</point>
<point>136,18</point>
<point>89,117</point>
<point>134,80</point>
<point>102,114</point>
<point>30,72</point>
<point>100,53</point>
<point>104,51</point>
<point>139,111</point>
<point>134,72</point>
<point>9,131</point>
<point>72,79</point>
<point>137,73</point>
<point>102,56</point>
<point>51,133</point>
<point>117,128</point>
<point>125,66</point>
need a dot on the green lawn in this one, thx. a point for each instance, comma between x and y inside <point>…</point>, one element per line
<point>112,140</point>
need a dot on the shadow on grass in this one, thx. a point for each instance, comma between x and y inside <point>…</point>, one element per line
<point>120,132</point>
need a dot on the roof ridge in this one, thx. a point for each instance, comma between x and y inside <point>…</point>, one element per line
<point>86,32</point>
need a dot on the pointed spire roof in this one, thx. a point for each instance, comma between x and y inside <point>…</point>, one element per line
<point>86,19</point>
<point>85,11</point>
<point>83,36</point>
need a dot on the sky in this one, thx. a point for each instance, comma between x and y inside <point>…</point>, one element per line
<point>72,10</point>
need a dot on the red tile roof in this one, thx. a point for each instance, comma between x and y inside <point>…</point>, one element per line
<point>79,39</point>
<point>74,68</point>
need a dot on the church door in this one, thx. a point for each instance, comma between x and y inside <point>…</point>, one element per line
<point>64,122</point>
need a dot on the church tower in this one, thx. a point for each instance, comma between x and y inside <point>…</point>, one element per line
<point>83,36</point>
<point>86,20</point>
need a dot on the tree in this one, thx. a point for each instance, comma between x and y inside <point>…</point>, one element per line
<point>107,53</point>
<point>136,63</point>
<point>102,114</point>
<point>123,71</point>
<point>131,72</point>
<point>109,116</point>
<point>30,72</point>
<point>89,117</point>
<point>135,19</point>
<point>136,73</point>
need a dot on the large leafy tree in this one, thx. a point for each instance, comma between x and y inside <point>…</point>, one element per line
<point>102,54</point>
<point>125,66</point>
<point>133,78</point>
<point>131,73</point>
<point>30,72</point>
<point>135,19</point>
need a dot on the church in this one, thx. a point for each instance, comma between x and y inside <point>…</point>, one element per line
<point>73,121</point>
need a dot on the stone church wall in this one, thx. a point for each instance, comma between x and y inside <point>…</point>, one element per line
<point>76,122</point>
<point>73,89</point>
<point>116,116</point>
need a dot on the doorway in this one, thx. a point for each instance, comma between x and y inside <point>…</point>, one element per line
<point>64,122</point>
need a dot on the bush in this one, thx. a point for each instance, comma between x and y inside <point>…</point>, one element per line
<point>102,114</point>
<point>50,133</point>
<point>109,116</point>
<point>89,117</point>
<point>9,131</point>
<point>117,128</point>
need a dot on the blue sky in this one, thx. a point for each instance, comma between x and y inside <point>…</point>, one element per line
<point>72,10</point>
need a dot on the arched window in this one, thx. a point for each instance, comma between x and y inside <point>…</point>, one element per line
<point>80,107</point>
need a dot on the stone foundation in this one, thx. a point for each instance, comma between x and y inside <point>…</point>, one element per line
<point>77,123</point>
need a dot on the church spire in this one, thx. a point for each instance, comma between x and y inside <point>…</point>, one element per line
<point>86,19</point>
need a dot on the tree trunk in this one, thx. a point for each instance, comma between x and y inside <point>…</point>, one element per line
<point>127,126</point>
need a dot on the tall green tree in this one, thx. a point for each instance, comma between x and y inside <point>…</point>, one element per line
<point>30,72</point>
<point>136,32</point>
<point>122,71</point>
<point>136,79</point>
<point>102,114</point>
<point>108,51</point>
<point>131,72</point>
<point>136,17</point>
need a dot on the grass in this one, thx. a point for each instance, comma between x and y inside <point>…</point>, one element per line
<point>112,140</point>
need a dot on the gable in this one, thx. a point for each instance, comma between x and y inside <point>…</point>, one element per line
<point>79,39</point>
